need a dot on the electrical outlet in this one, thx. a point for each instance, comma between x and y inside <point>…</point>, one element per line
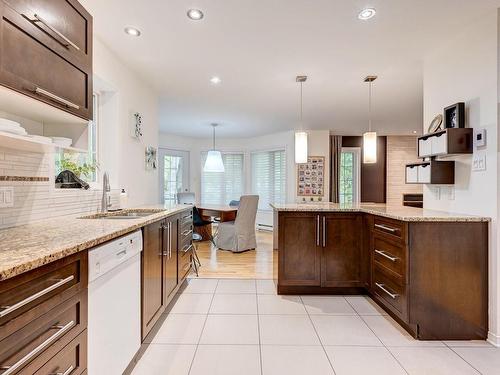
<point>479,162</point>
<point>6,197</point>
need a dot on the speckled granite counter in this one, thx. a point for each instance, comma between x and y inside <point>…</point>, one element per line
<point>392,212</point>
<point>30,246</point>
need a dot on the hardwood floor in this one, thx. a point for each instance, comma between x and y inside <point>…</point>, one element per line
<point>253,264</point>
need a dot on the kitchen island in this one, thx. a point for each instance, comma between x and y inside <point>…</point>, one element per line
<point>419,265</point>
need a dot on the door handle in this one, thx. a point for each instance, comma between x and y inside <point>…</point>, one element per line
<point>67,42</point>
<point>324,231</point>
<point>317,231</point>
<point>56,98</point>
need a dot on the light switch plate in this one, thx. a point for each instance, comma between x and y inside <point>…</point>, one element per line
<point>6,197</point>
<point>479,162</point>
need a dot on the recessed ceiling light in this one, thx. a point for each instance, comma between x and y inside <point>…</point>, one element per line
<point>132,31</point>
<point>414,132</point>
<point>215,80</point>
<point>195,14</point>
<point>367,13</point>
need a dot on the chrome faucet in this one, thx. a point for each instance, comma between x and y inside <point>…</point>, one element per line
<point>106,199</point>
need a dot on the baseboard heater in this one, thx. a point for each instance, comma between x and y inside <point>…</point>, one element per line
<point>264,227</point>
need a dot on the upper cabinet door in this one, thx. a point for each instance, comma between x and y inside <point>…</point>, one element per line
<point>341,240</point>
<point>37,60</point>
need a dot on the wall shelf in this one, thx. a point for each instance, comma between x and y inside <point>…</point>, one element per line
<point>431,172</point>
<point>451,141</point>
<point>24,143</point>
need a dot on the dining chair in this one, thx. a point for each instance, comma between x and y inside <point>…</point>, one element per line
<point>199,222</point>
<point>239,235</point>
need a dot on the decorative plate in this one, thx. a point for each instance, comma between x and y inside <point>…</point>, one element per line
<point>435,124</point>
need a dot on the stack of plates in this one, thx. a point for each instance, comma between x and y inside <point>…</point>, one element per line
<point>61,141</point>
<point>40,138</point>
<point>11,127</point>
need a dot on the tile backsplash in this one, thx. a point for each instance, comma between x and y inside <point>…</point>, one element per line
<point>35,197</point>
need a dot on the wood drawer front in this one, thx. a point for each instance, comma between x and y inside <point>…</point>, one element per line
<point>65,21</point>
<point>393,228</point>
<point>33,66</point>
<point>186,233</point>
<point>186,220</point>
<point>390,255</point>
<point>72,360</point>
<point>29,348</point>
<point>184,263</point>
<point>35,293</point>
<point>389,290</point>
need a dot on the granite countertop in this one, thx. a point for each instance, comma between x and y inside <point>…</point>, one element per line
<point>27,247</point>
<point>393,212</point>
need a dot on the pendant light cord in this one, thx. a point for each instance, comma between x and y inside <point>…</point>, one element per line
<point>213,137</point>
<point>301,105</point>
<point>370,106</point>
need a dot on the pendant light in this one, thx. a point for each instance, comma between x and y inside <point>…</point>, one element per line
<point>301,151</point>
<point>370,137</point>
<point>214,158</point>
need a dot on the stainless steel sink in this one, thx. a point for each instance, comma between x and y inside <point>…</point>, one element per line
<point>123,215</point>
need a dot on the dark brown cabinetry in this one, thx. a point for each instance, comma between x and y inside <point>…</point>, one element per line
<point>46,52</point>
<point>162,257</point>
<point>341,242</point>
<point>419,272</point>
<point>44,318</point>
<point>322,250</point>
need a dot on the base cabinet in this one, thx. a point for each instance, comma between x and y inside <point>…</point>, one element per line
<point>419,272</point>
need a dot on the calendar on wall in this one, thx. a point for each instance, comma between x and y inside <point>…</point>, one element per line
<point>311,177</point>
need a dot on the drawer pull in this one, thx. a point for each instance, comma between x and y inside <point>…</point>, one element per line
<point>317,231</point>
<point>385,255</point>
<point>392,295</point>
<point>187,232</point>
<point>67,372</point>
<point>67,42</point>
<point>188,248</point>
<point>56,98</point>
<point>40,348</point>
<point>385,227</point>
<point>9,309</point>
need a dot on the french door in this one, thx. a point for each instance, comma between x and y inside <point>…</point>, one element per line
<point>174,174</point>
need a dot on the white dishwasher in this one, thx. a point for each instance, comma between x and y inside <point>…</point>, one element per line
<point>114,311</point>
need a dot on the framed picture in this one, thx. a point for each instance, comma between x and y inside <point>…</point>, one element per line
<point>454,116</point>
<point>310,177</point>
<point>151,158</point>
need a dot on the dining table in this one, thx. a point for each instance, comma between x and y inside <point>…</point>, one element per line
<point>223,213</point>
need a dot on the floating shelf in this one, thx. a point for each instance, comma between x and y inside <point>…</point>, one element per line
<point>451,141</point>
<point>20,142</point>
<point>431,172</point>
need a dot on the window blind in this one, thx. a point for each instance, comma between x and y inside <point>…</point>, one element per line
<point>222,187</point>
<point>269,177</point>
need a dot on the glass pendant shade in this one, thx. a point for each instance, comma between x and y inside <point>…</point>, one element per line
<point>214,162</point>
<point>370,148</point>
<point>301,152</point>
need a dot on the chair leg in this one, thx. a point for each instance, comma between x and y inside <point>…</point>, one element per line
<point>196,258</point>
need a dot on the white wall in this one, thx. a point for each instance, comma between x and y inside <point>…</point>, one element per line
<point>123,94</point>
<point>318,146</point>
<point>465,69</point>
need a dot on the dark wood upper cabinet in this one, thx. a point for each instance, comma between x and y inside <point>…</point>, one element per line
<point>299,249</point>
<point>46,52</point>
<point>342,245</point>
<point>152,275</point>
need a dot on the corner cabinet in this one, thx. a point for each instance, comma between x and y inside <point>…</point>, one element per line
<point>319,250</point>
<point>46,52</point>
<point>162,260</point>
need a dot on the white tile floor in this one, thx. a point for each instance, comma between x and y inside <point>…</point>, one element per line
<point>229,327</point>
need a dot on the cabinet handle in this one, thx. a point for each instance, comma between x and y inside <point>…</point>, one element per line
<point>385,255</point>
<point>324,231</point>
<point>317,231</point>
<point>186,249</point>
<point>385,227</point>
<point>392,295</point>
<point>48,94</point>
<point>40,348</point>
<point>67,372</point>
<point>9,309</point>
<point>187,232</point>
<point>67,41</point>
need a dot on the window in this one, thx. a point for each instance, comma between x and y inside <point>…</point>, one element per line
<point>349,175</point>
<point>222,187</point>
<point>172,175</point>
<point>84,165</point>
<point>269,177</point>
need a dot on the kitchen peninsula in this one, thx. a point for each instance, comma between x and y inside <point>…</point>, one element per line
<point>418,265</point>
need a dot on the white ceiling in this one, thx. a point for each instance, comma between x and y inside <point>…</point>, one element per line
<point>258,47</point>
